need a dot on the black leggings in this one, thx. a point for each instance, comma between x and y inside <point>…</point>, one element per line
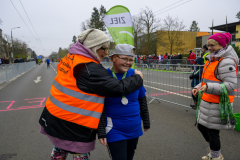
<point>123,150</point>
<point>211,136</point>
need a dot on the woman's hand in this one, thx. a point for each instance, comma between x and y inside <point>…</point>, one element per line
<point>195,91</point>
<point>138,72</point>
<point>203,88</point>
<point>103,141</point>
<point>146,130</point>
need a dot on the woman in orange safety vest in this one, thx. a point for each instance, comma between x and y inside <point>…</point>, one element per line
<point>73,109</point>
<point>220,67</point>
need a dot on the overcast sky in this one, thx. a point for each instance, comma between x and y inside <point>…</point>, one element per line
<point>56,21</point>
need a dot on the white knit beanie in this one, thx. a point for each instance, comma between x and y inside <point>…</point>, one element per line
<point>92,37</point>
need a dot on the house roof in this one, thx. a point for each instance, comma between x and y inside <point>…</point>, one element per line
<point>230,27</point>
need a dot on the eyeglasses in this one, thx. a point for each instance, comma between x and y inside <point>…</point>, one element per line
<point>105,49</point>
<point>211,45</point>
<point>125,60</point>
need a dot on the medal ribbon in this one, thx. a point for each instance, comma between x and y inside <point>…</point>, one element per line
<point>114,75</point>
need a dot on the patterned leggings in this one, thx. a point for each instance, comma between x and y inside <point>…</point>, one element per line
<point>60,154</point>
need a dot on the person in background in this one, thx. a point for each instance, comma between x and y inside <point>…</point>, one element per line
<point>191,59</point>
<point>179,61</point>
<point>16,60</point>
<point>196,78</point>
<point>154,61</point>
<point>120,127</point>
<point>36,61</point>
<point>220,67</point>
<point>174,61</point>
<point>48,63</point>
<point>205,52</point>
<point>169,61</point>
<point>165,58</point>
<point>71,116</point>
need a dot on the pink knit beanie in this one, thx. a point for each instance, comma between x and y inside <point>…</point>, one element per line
<point>222,38</point>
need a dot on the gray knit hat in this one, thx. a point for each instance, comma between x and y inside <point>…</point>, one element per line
<point>124,49</point>
<point>92,37</point>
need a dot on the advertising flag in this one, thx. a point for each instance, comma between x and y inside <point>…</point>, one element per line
<point>118,20</point>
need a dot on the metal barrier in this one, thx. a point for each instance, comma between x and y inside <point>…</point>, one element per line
<point>12,70</point>
<point>170,83</point>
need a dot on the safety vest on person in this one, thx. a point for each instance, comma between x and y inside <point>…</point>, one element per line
<point>208,76</point>
<point>68,102</point>
<point>204,56</point>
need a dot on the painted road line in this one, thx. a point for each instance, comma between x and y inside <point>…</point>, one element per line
<point>179,77</point>
<point>169,85</point>
<point>175,93</point>
<point>53,69</point>
<point>38,79</point>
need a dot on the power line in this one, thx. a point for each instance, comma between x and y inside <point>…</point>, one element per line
<point>168,6</point>
<point>173,7</point>
<point>24,21</point>
<point>31,23</point>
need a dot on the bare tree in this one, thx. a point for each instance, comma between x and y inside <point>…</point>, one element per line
<point>137,31</point>
<point>1,21</point>
<point>171,32</point>
<point>150,25</point>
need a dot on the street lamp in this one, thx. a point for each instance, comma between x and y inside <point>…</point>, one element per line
<point>12,39</point>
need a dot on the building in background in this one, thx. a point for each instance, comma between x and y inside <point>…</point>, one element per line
<point>233,28</point>
<point>182,41</point>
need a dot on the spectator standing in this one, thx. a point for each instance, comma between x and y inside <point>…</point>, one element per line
<point>191,59</point>
<point>6,61</point>
<point>174,61</point>
<point>165,59</point>
<point>169,58</point>
<point>16,60</point>
<point>179,60</point>
<point>205,52</point>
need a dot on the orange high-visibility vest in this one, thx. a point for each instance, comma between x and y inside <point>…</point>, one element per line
<point>208,76</point>
<point>68,102</point>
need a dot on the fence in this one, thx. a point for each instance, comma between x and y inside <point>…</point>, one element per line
<point>10,71</point>
<point>170,83</point>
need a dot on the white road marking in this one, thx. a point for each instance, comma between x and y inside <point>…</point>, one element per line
<point>182,95</point>
<point>179,77</point>
<point>38,79</point>
<point>53,69</point>
<point>169,85</point>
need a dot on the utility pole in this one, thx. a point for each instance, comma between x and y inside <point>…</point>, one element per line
<point>12,39</point>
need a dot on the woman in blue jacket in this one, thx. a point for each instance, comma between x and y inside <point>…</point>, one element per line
<point>120,124</point>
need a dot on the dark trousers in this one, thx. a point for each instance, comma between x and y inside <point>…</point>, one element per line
<point>123,150</point>
<point>48,65</point>
<point>211,136</point>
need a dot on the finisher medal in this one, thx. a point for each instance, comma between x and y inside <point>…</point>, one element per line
<point>124,101</point>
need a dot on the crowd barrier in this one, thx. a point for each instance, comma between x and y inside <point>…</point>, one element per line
<point>170,83</point>
<point>10,71</point>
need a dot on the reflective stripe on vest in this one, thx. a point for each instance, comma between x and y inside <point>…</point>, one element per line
<point>78,94</point>
<point>68,102</point>
<point>208,76</point>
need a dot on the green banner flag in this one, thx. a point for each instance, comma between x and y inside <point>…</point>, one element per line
<point>118,20</point>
